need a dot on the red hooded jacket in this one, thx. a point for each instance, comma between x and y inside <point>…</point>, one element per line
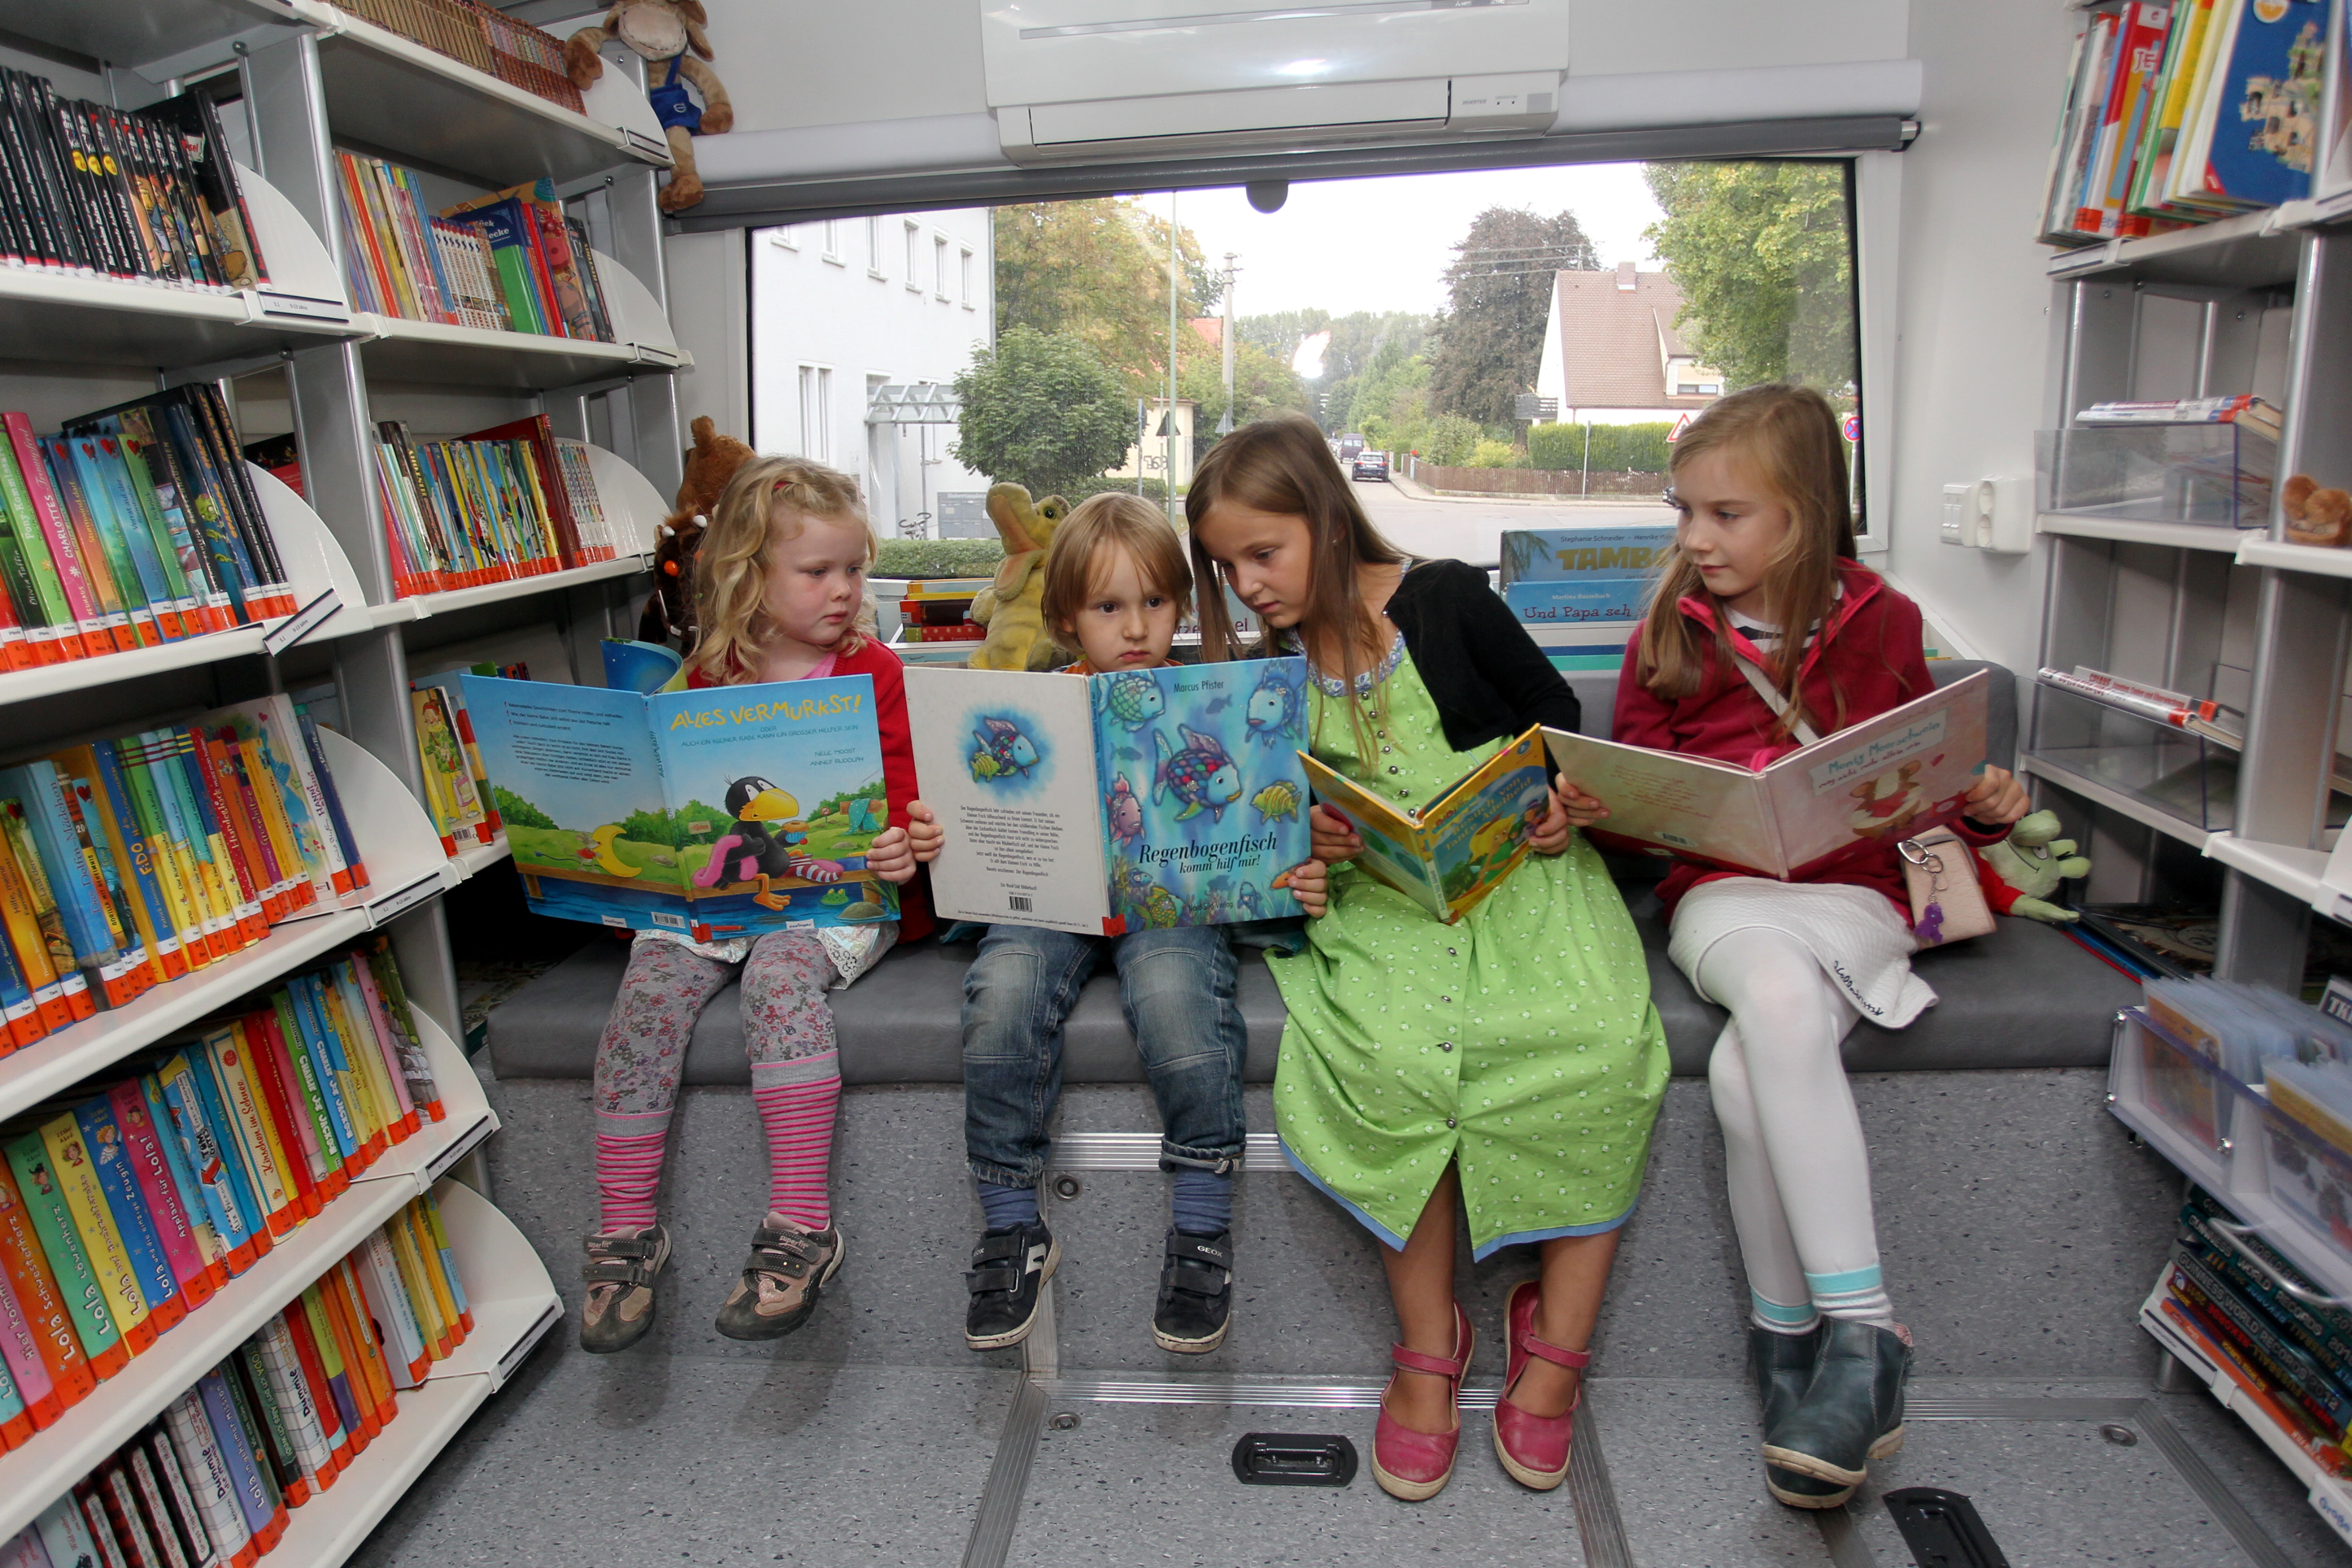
<point>1867,658</point>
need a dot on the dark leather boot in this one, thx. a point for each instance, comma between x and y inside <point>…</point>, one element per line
<point>1850,1413</point>
<point>1782,1366</point>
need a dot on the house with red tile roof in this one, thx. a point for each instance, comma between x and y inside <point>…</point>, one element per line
<point>1611,353</point>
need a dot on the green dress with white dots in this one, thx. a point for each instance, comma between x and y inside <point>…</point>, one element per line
<point>1520,1041</point>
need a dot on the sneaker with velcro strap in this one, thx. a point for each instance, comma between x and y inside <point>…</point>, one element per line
<point>1010,1268</point>
<point>622,1268</point>
<point>789,1267</point>
<point>1196,1292</point>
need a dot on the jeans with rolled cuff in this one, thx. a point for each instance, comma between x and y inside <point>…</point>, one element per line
<point>1177,989</point>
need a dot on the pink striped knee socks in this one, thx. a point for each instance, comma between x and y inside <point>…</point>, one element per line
<point>797,1100</point>
<point>628,1168</point>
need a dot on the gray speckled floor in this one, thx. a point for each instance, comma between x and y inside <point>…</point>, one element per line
<point>713,1459</point>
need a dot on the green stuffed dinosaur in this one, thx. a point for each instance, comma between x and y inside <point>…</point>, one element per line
<point>1011,606</point>
<point>2021,872</point>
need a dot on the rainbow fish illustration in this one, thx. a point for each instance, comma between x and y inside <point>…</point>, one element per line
<point>1276,801</point>
<point>1273,708</point>
<point>1201,775</point>
<point>1004,750</point>
<point>1133,700</point>
<point>1123,812</point>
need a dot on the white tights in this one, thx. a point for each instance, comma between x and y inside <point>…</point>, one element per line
<point>1793,1152</point>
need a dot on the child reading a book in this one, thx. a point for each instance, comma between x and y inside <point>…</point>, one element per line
<point>1510,1063</point>
<point>780,595</point>
<point>1115,585</point>
<point>1763,631</point>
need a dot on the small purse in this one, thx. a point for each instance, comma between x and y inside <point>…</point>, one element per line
<point>1947,903</point>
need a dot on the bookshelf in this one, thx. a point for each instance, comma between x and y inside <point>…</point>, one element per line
<point>301,79</point>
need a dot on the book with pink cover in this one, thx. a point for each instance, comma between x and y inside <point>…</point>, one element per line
<point>1880,780</point>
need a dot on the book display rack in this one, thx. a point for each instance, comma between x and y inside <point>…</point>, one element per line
<point>303,373</point>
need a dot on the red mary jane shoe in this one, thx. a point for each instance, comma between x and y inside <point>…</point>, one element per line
<point>1417,1464</point>
<point>1533,1448</point>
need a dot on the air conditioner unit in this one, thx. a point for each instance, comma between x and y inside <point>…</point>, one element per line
<point>1121,79</point>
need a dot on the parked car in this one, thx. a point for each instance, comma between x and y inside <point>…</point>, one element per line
<point>1349,445</point>
<point>1371,465</point>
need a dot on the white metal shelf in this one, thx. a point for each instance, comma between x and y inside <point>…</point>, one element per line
<point>2178,535</point>
<point>402,98</point>
<point>474,858</point>
<point>149,30</point>
<point>40,1471</point>
<point>2260,550</point>
<point>52,317</point>
<point>2291,870</point>
<point>2117,800</point>
<point>2246,252</point>
<point>2329,1495</point>
<point>422,606</point>
<point>434,352</point>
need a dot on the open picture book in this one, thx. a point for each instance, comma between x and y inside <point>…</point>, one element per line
<point>1104,805</point>
<point>1449,852</point>
<point>724,812</point>
<point>1880,780</point>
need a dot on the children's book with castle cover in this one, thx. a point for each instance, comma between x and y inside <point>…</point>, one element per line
<point>1880,780</point>
<point>1451,851</point>
<point>723,811</point>
<point>1151,797</point>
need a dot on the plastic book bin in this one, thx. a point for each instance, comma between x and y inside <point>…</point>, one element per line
<point>2216,475</point>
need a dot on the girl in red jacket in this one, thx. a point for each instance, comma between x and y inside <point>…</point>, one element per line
<point>780,595</point>
<point>1763,595</point>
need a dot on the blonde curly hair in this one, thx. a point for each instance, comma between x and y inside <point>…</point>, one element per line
<point>767,503</point>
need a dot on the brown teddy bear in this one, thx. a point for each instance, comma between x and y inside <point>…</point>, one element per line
<point>668,36</point>
<point>710,462</point>
<point>2316,516</point>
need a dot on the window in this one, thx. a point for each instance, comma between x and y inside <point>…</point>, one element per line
<point>915,257</point>
<point>874,248</point>
<point>940,266</point>
<point>816,411</point>
<point>970,302</point>
<point>833,240</point>
<point>788,237</point>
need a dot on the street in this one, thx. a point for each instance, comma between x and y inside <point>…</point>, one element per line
<point>1472,530</point>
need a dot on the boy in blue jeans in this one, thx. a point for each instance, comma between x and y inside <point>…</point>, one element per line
<point>1115,585</point>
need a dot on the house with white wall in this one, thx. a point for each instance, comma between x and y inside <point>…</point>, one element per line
<point>1612,354</point>
<point>841,308</point>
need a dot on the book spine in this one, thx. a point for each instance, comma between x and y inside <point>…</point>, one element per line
<point>205,604</point>
<point>257,1410</point>
<point>380,978</point>
<point>272,1064</point>
<point>2289,1372</point>
<point>22,1362</point>
<point>249,765</point>
<point>212,1248</point>
<point>336,1148</point>
<point>178,764</point>
<point>388,1299</point>
<point>372,1036</point>
<point>339,1288</point>
<point>208,1476</point>
<point>329,1350</point>
<point>367,1110</point>
<point>428,1210</point>
<point>280,1211</point>
<point>21,1023</point>
<point>338,1437</point>
<point>436,1324</point>
<point>180,1496</point>
<point>128,842</point>
<point>282,1366</point>
<point>154,1509</point>
<point>206,1147</point>
<point>125,1204</point>
<point>159,1193</point>
<point>277,1119</point>
<point>40,1298</point>
<point>35,808</point>
<point>173,865</point>
<point>106,583</point>
<point>38,939</point>
<point>84,1296</point>
<point>220,795</point>
<point>122,1512</point>
<point>347,842</point>
<point>114,898</point>
<point>85,1201</point>
<point>58,578</point>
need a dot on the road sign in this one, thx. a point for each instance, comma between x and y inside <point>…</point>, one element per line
<point>1852,429</point>
<point>1682,423</point>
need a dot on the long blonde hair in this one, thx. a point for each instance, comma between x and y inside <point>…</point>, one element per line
<point>1787,437</point>
<point>762,506</point>
<point>1283,465</point>
<point>1111,521</point>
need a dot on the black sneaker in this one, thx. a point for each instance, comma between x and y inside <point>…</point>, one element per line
<point>1009,1270</point>
<point>1196,1299</point>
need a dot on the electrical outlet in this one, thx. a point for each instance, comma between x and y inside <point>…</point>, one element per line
<point>1959,505</point>
<point>2006,506</point>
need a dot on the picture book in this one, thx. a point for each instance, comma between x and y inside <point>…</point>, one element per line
<point>1152,798</point>
<point>1573,555</point>
<point>2268,105</point>
<point>723,811</point>
<point>1451,852</point>
<point>1880,780</point>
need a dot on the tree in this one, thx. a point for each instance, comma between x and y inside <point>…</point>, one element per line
<point>514,808</point>
<point>1262,384</point>
<point>1498,296</point>
<point>1041,410</point>
<point>1098,272</point>
<point>1761,251</point>
<point>1356,339</point>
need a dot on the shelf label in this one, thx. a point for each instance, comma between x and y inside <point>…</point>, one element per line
<point>301,622</point>
<point>310,308</point>
<point>466,1144</point>
<point>391,907</point>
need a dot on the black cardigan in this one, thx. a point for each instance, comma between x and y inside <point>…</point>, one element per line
<point>1486,675</point>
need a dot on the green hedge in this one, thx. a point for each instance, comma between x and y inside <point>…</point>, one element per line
<point>938,557</point>
<point>1154,490</point>
<point>1623,449</point>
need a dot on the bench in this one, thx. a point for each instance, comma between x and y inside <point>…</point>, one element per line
<point>2025,996</point>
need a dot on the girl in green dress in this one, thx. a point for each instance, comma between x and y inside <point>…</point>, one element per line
<point>1507,1068</point>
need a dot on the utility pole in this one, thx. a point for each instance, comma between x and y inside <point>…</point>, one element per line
<point>1225,426</point>
<point>1171,358</point>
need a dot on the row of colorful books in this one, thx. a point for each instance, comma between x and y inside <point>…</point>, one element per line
<point>138,525</point>
<point>515,501</point>
<point>456,786</point>
<point>150,195</point>
<point>2290,1354</point>
<point>273,1427</point>
<point>132,862</point>
<point>2179,114</point>
<point>490,41</point>
<point>129,1205</point>
<point>508,261</point>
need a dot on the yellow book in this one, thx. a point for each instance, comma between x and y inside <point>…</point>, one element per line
<point>420,1237</point>
<point>1451,851</point>
<point>439,1339</point>
<point>225,1053</point>
<point>273,822</point>
<point>110,1259</point>
<point>366,1057</point>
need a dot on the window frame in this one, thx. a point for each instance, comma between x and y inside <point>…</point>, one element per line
<point>815,385</point>
<point>874,246</point>
<point>914,240</point>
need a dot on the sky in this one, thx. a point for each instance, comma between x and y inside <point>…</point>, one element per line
<point>1384,244</point>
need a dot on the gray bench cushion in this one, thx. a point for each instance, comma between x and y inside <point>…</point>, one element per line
<point>2024,996</point>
